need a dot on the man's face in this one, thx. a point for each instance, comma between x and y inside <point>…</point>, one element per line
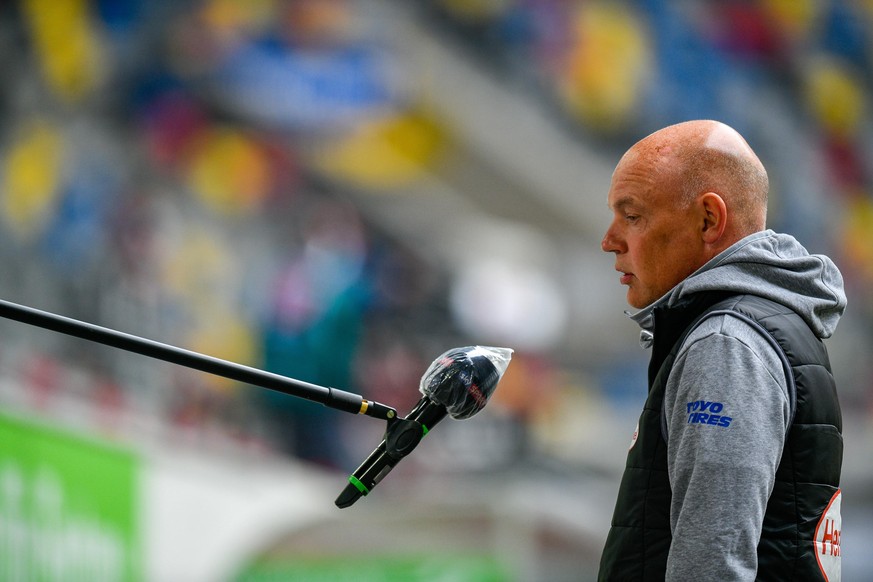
<point>656,242</point>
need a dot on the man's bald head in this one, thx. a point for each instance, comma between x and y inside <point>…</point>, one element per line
<point>680,197</point>
<point>696,157</point>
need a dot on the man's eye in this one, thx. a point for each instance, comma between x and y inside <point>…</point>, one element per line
<point>631,217</point>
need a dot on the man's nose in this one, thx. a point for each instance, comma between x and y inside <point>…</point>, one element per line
<point>609,244</point>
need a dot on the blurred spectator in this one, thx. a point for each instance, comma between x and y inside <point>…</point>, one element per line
<point>314,327</point>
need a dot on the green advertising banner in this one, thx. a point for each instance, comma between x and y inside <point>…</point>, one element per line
<point>376,568</point>
<point>68,507</point>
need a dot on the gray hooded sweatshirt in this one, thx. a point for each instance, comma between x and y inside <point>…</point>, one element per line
<point>721,480</point>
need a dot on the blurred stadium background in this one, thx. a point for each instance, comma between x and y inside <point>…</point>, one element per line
<point>339,191</point>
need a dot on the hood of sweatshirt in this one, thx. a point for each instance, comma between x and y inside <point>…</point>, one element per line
<point>771,265</point>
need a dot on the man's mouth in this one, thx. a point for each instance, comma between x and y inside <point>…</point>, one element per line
<point>626,278</point>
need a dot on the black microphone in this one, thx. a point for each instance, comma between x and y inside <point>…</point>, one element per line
<point>459,384</point>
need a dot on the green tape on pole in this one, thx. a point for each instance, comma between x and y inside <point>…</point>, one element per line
<point>358,485</point>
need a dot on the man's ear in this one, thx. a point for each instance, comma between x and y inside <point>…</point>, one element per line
<point>714,217</point>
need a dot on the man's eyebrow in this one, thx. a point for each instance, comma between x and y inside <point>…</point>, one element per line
<point>623,202</point>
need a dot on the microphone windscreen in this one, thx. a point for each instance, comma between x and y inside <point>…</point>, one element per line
<point>463,379</point>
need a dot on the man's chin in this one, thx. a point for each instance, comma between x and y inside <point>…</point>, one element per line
<point>636,301</point>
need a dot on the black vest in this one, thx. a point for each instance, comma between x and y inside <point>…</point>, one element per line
<point>808,475</point>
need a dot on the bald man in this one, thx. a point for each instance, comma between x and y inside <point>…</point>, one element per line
<point>733,471</point>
